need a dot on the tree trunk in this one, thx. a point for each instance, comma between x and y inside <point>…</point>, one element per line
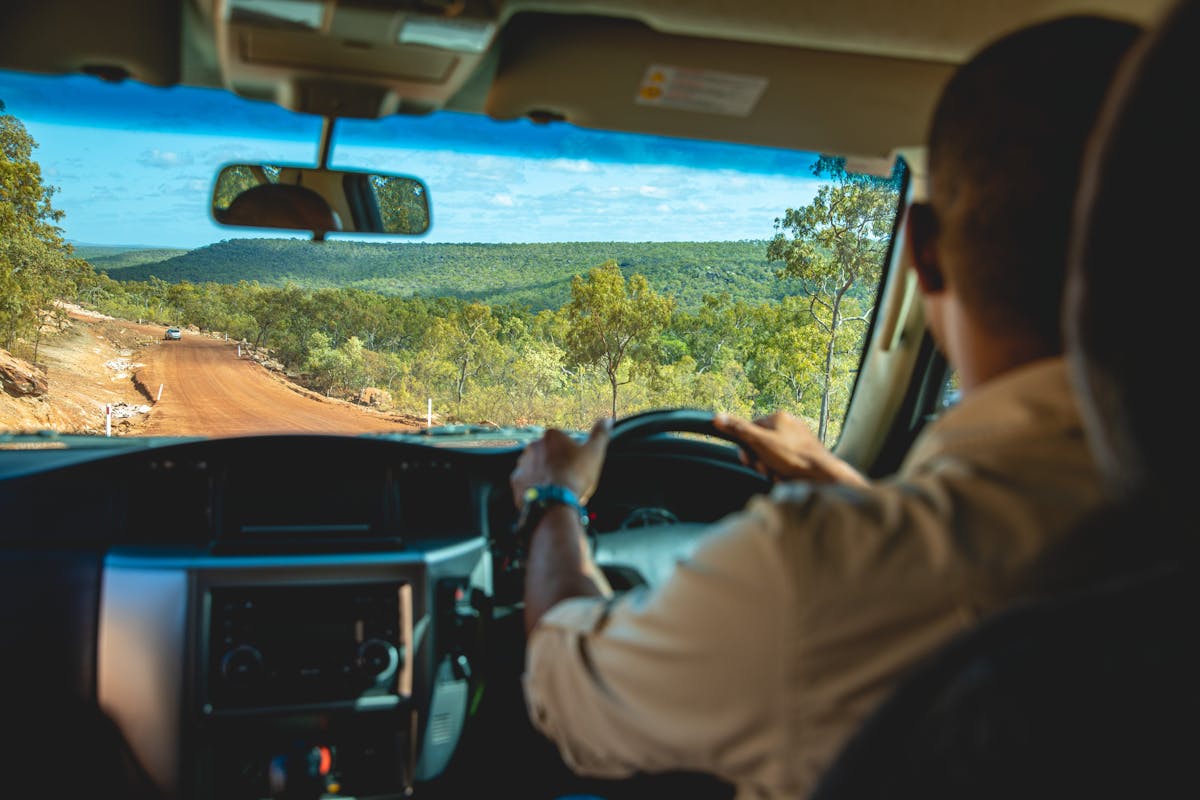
<point>612,379</point>
<point>829,351</point>
<point>461,386</point>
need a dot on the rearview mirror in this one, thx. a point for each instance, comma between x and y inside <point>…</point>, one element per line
<point>320,200</point>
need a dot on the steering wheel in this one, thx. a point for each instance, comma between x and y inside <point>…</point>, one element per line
<point>668,420</point>
<point>638,427</point>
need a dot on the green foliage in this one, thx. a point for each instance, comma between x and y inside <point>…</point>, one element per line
<point>833,168</point>
<point>113,258</point>
<point>505,333</point>
<point>835,246</point>
<point>507,365</point>
<point>36,267</point>
<point>537,276</point>
<point>335,368</point>
<point>613,323</point>
<point>234,180</point>
<point>466,339</point>
<point>403,204</point>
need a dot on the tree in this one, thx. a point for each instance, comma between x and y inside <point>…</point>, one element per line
<point>467,337</point>
<point>334,368</point>
<point>717,332</point>
<point>35,268</point>
<point>836,246</point>
<point>238,178</point>
<point>610,320</point>
<point>403,206</point>
<point>269,307</point>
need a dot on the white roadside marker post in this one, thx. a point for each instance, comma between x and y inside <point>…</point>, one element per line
<point>108,419</point>
<point>429,414</point>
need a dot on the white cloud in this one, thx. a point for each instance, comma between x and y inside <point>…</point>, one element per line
<point>165,159</point>
<point>502,199</point>
<point>652,191</point>
<point>572,165</point>
<point>663,207</point>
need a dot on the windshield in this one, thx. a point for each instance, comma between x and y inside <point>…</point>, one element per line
<point>567,274</point>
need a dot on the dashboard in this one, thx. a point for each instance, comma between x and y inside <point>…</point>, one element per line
<point>302,616</point>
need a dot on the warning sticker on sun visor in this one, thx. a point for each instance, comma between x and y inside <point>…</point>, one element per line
<point>703,90</point>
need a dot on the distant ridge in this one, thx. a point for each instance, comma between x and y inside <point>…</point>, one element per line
<point>113,256</point>
<point>87,249</point>
<point>537,275</point>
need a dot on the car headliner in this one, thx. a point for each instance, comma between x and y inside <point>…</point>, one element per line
<point>865,72</point>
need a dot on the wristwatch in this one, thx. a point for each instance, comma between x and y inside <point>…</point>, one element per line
<point>537,500</point>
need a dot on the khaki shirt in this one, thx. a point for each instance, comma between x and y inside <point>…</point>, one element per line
<point>762,652</point>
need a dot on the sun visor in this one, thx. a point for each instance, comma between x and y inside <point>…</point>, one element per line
<point>351,58</point>
<point>137,39</point>
<point>617,74</point>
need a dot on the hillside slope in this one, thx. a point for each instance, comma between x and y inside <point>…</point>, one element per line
<point>537,275</point>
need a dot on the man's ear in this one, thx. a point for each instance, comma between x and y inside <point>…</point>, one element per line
<point>922,243</point>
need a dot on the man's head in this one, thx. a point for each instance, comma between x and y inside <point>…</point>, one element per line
<point>1005,145</point>
<point>1132,277</point>
<point>281,205</point>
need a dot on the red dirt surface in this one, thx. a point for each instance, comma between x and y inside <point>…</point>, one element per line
<point>208,391</point>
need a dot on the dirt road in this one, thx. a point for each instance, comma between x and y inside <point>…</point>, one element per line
<point>208,391</point>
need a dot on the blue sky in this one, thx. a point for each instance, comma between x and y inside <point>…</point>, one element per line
<point>135,166</point>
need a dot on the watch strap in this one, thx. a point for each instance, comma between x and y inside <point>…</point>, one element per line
<point>537,499</point>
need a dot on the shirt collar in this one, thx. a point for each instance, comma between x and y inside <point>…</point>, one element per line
<point>1034,398</point>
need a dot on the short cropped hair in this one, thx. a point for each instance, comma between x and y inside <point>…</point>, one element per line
<point>1005,144</point>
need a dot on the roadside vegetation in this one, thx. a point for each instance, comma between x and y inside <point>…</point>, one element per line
<point>568,332</point>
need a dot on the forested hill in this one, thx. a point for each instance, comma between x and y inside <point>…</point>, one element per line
<point>536,275</point>
<point>128,258</point>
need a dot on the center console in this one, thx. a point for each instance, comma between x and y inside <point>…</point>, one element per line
<point>286,676</point>
<point>278,653</point>
<point>296,645</point>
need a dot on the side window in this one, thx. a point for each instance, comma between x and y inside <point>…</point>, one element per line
<point>949,394</point>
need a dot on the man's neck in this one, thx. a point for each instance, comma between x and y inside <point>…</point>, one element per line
<point>983,356</point>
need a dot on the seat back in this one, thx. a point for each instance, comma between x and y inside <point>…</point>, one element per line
<point>1095,694</point>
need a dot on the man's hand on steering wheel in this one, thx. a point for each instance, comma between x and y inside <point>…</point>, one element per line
<point>558,459</point>
<point>782,447</point>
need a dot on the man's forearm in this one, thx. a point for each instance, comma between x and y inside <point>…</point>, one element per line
<point>559,565</point>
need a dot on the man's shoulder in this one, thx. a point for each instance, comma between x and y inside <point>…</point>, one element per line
<point>1024,416</point>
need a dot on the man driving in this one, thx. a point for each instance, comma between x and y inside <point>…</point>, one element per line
<point>764,650</point>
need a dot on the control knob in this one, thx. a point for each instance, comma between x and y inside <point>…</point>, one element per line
<point>242,666</point>
<point>377,659</point>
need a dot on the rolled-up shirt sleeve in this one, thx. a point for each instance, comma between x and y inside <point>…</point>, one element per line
<point>690,675</point>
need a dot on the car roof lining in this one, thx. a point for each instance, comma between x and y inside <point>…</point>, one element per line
<point>815,55</point>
